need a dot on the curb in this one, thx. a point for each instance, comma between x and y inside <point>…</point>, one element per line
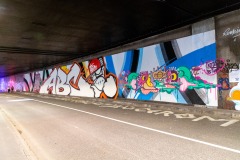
<point>199,110</point>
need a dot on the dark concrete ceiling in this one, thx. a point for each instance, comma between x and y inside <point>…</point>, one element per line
<point>37,33</point>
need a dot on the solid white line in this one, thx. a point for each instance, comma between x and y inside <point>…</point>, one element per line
<point>147,128</point>
<point>20,100</point>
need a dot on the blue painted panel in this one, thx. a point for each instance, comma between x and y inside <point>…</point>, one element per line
<point>196,58</point>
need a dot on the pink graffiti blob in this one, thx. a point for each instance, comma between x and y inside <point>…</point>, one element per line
<point>213,67</point>
<point>147,91</point>
<point>185,84</point>
<point>142,78</point>
<point>134,84</point>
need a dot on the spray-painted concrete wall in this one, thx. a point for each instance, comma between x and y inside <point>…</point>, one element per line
<point>228,48</point>
<point>198,69</point>
<point>174,71</point>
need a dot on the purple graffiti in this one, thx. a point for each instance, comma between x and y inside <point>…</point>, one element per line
<point>213,67</point>
<point>142,78</point>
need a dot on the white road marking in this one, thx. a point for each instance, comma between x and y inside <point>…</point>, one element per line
<point>147,128</point>
<point>169,113</point>
<point>158,112</point>
<point>165,113</point>
<point>20,100</point>
<point>187,115</point>
<point>229,122</point>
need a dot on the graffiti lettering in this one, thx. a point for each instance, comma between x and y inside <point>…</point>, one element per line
<point>229,67</point>
<point>213,67</point>
<point>62,88</point>
<point>49,84</point>
<point>74,74</point>
<point>235,32</point>
<point>220,65</point>
<point>70,81</point>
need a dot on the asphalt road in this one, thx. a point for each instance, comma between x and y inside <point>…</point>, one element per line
<point>59,130</point>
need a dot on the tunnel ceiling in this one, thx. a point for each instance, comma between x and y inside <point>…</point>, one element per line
<point>37,33</point>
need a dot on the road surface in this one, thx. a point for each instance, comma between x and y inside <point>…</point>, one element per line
<point>49,129</point>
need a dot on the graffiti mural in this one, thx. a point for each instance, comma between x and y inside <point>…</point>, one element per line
<point>70,80</point>
<point>170,71</point>
<point>234,96</point>
<point>227,36</point>
<point>165,81</point>
<point>223,82</point>
<point>13,82</point>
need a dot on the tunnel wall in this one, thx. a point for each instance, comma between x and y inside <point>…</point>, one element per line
<point>171,72</point>
<point>228,40</point>
<point>201,69</point>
